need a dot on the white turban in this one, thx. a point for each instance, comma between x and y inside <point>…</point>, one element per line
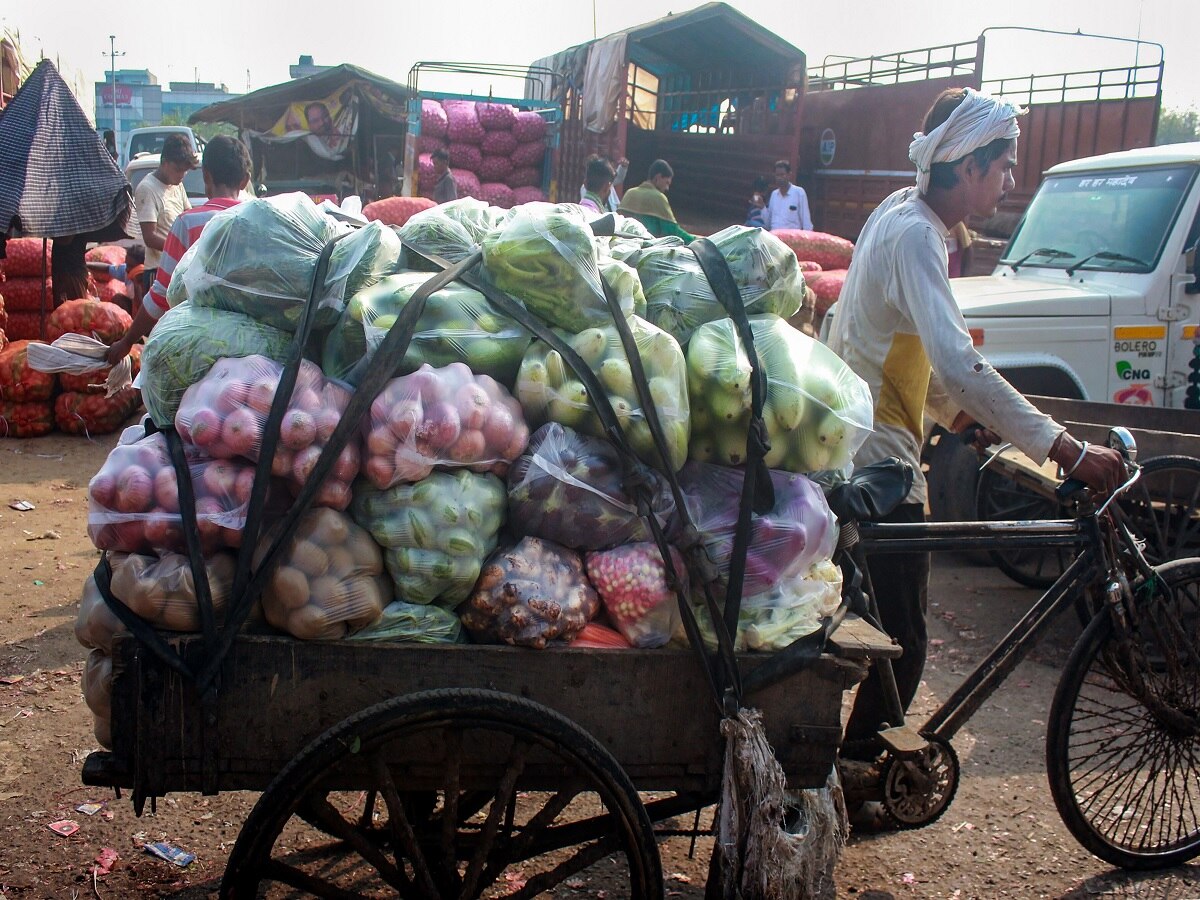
<point>976,122</point>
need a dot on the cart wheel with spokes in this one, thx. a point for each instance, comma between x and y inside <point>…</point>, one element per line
<point>343,820</point>
<point>1123,740</point>
<point>918,789</point>
<point>1000,499</point>
<point>1162,508</point>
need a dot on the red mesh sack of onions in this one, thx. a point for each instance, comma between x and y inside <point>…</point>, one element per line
<point>467,183</point>
<point>529,126</point>
<point>525,177</point>
<point>224,414</point>
<point>529,154</point>
<point>497,194</point>
<point>496,116</point>
<point>528,195</point>
<point>427,143</point>
<point>133,501</point>
<point>498,143</point>
<point>494,169</point>
<point>433,119</point>
<point>465,156</point>
<point>462,122</point>
<point>441,417</point>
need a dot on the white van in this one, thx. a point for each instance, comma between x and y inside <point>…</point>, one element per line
<point>150,140</point>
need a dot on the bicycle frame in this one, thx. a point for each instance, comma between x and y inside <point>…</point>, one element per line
<point>1090,567</point>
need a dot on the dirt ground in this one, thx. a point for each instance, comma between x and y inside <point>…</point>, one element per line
<point>1000,838</point>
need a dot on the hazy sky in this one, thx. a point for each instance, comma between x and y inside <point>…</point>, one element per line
<point>254,41</point>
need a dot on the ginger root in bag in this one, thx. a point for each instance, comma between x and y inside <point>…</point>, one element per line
<point>529,595</point>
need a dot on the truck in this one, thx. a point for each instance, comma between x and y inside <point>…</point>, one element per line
<point>683,92</point>
<point>1096,297</point>
<point>860,114</point>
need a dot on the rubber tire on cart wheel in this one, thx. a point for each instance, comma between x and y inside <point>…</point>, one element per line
<point>1126,777</point>
<point>485,832</point>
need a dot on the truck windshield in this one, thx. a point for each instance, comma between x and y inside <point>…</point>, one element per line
<point>1121,219</point>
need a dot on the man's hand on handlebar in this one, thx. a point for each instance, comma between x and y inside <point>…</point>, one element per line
<point>977,437</point>
<point>1100,468</point>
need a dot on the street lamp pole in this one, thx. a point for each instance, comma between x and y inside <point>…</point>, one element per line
<point>112,85</point>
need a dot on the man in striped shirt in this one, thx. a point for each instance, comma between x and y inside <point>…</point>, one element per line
<point>226,173</point>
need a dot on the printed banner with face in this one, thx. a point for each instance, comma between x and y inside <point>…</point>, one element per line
<point>326,125</point>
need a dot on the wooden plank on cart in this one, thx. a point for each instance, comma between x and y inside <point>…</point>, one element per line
<point>858,639</point>
<point>652,708</point>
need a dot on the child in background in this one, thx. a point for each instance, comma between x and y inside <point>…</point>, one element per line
<point>130,272</point>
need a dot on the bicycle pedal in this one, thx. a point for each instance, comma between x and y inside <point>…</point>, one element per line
<point>903,741</point>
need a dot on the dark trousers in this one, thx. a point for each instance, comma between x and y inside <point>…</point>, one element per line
<point>901,585</point>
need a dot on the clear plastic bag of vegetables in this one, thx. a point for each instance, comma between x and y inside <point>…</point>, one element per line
<point>362,258</point>
<point>414,623</point>
<point>798,531</point>
<point>133,501</point>
<point>545,257</point>
<point>529,595</point>
<point>330,581</point>
<point>632,582</point>
<point>550,391</point>
<point>451,230</point>
<point>567,488</point>
<point>817,412</point>
<point>623,282</point>
<point>791,609</point>
<point>97,694</point>
<point>224,415</point>
<point>679,298</point>
<point>161,590</point>
<point>187,341</point>
<point>259,258</point>
<point>445,417</point>
<point>435,533</point>
<point>458,324</point>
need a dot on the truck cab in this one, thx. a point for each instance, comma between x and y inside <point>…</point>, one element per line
<point>1095,295</point>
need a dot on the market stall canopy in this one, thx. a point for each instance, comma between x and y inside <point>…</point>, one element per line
<point>261,110</point>
<point>56,176</point>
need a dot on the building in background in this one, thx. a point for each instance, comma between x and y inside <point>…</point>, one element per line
<point>185,97</point>
<point>141,100</point>
<point>305,67</point>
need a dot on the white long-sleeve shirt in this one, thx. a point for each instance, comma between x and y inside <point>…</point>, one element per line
<point>788,210</point>
<point>897,323</point>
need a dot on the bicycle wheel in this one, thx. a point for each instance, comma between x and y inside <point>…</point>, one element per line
<point>1123,744</point>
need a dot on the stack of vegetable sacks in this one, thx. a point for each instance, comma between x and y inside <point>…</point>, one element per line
<point>26,281</point>
<point>825,257</point>
<point>82,407</point>
<point>496,150</point>
<point>445,519</point>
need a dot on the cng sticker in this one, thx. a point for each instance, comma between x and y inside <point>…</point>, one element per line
<point>828,146</point>
<point>1126,372</point>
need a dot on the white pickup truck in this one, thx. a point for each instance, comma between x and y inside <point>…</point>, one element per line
<point>1096,297</point>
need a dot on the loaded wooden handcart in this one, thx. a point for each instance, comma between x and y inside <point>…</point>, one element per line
<point>483,769</point>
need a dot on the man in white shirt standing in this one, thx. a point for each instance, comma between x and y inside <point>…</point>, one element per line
<point>897,325</point>
<point>160,198</point>
<point>788,206</point>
